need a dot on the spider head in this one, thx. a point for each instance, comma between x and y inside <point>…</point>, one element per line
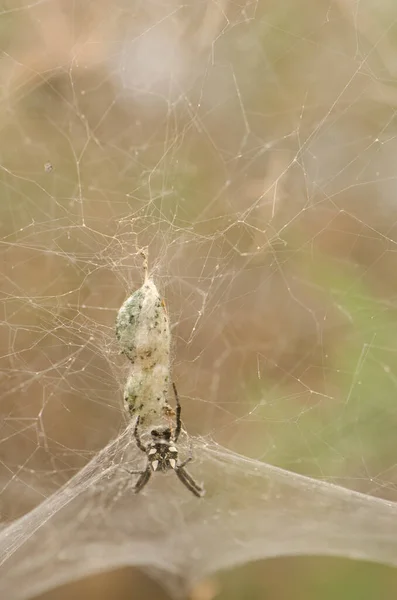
<point>161,433</point>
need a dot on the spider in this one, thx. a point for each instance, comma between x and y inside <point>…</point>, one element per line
<point>162,454</point>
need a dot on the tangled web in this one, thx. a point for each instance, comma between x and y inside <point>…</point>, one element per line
<point>260,511</point>
<point>264,188</point>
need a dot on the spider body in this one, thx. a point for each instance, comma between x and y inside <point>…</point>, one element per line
<point>162,454</point>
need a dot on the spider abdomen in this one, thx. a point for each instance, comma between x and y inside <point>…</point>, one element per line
<point>162,456</point>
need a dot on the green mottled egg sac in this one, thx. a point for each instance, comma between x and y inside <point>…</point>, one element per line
<point>142,326</point>
<point>143,332</point>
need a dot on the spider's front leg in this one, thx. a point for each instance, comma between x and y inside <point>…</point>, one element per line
<point>144,475</point>
<point>138,441</point>
<point>178,414</point>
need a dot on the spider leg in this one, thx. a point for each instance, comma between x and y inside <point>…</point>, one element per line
<point>189,458</point>
<point>184,463</point>
<point>136,436</point>
<point>178,414</point>
<point>189,482</point>
<point>143,479</point>
<point>134,472</point>
<point>189,478</point>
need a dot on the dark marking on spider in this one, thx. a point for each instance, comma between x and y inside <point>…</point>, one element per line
<point>162,454</point>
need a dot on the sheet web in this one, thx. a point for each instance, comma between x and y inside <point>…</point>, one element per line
<point>266,201</point>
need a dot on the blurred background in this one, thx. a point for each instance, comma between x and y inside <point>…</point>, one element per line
<point>252,147</point>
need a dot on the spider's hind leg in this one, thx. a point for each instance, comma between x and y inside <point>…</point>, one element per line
<point>189,482</point>
<point>142,480</point>
<point>189,457</point>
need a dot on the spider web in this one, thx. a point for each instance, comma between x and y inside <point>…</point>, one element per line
<point>251,147</point>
